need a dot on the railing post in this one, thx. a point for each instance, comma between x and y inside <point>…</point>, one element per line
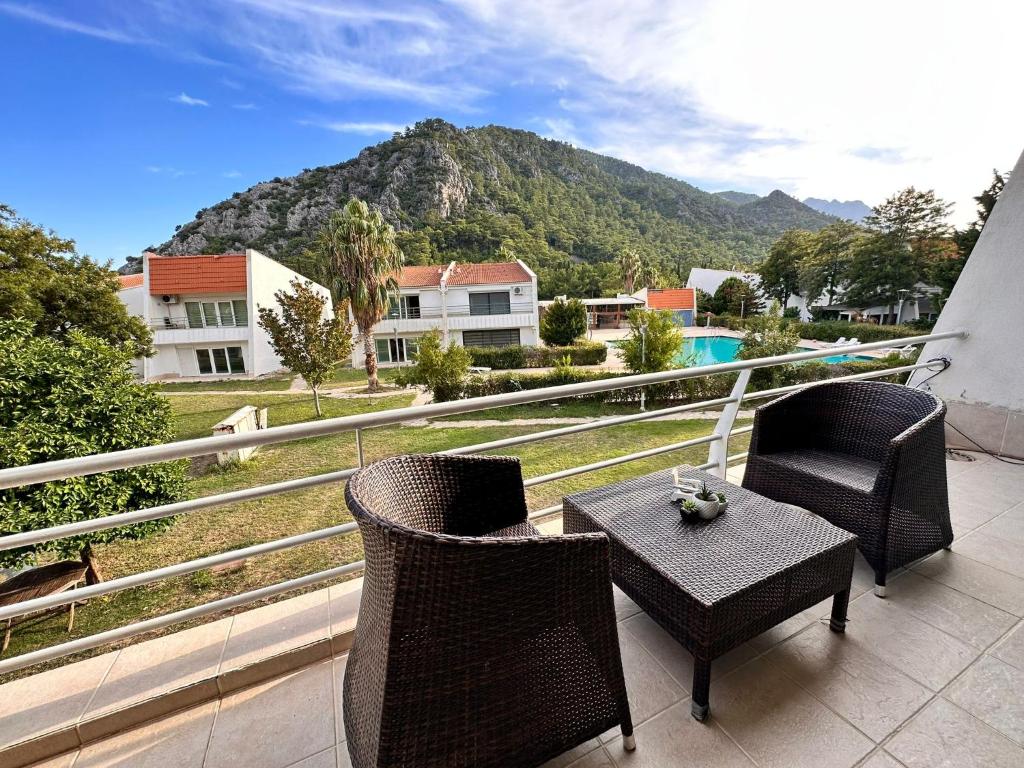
<point>718,452</point>
<point>359,446</point>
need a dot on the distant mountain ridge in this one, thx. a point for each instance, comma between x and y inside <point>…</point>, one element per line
<point>854,210</point>
<point>486,193</point>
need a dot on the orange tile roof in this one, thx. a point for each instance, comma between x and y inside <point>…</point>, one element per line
<point>130,281</point>
<point>672,298</point>
<point>421,277</point>
<point>224,273</point>
<point>488,274</point>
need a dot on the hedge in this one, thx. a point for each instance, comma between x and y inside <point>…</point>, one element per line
<point>503,358</point>
<point>830,330</point>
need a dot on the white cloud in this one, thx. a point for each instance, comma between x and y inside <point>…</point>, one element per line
<point>247,106</point>
<point>189,101</point>
<point>823,99</point>
<point>29,13</point>
<point>167,170</point>
<point>232,174</point>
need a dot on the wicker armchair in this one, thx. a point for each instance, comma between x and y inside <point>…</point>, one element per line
<point>479,642</point>
<point>867,456</point>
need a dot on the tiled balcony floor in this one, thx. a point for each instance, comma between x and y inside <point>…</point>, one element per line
<point>931,676</point>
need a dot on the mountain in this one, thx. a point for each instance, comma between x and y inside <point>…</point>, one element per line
<point>740,198</point>
<point>854,210</point>
<point>480,193</point>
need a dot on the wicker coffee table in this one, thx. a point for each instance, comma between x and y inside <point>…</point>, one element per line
<point>714,585</point>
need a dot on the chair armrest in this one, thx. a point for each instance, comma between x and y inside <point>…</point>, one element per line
<point>912,475</point>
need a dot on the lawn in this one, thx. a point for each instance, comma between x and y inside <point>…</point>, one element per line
<point>219,529</point>
<point>195,415</point>
<point>347,376</point>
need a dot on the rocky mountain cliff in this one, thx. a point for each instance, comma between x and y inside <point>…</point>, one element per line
<point>854,210</point>
<point>492,192</point>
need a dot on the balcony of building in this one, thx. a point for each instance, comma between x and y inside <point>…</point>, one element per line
<point>928,676</point>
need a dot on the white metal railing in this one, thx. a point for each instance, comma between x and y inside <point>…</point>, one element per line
<point>719,459</point>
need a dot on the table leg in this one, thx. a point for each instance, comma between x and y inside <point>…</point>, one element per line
<point>837,623</point>
<point>699,707</point>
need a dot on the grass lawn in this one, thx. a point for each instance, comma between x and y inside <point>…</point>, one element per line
<point>347,376</point>
<point>195,415</point>
<point>219,529</point>
<point>266,384</point>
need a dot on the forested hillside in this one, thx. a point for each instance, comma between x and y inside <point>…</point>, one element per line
<point>494,193</point>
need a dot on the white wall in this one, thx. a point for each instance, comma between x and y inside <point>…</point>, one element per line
<point>265,277</point>
<point>984,386</point>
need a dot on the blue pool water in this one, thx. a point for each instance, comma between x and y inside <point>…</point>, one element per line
<point>723,349</point>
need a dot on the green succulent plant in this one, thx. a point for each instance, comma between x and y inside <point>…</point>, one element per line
<point>690,507</point>
<point>721,498</point>
<point>706,494</point>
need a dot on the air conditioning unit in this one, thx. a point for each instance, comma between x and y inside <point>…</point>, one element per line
<point>517,290</point>
<point>169,299</point>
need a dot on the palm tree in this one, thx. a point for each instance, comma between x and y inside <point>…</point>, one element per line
<point>359,258</point>
<point>629,267</point>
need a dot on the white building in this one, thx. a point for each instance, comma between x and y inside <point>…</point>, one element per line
<point>475,305</point>
<point>203,309</point>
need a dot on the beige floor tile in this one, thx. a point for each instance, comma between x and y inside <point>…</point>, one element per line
<point>676,660</point>
<point>568,758</point>
<point>780,725</point>
<point>339,664</point>
<point>650,688</point>
<point>179,740</point>
<point>785,630</point>
<point>344,599</point>
<point>599,758</point>
<point>905,642</point>
<point>274,724</point>
<point>991,690</point>
<point>957,613</point>
<point>51,700</point>
<point>1008,526</point>
<point>624,607</point>
<point>840,671</point>
<point>61,761</point>
<point>326,759</point>
<point>154,667</point>
<point>882,759</point>
<point>674,739</point>
<point>978,580</point>
<point>276,628</point>
<point>1011,648</point>
<point>344,761</point>
<point>945,736</point>
<point>992,551</point>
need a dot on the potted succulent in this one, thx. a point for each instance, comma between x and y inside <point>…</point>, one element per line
<point>688,510</point>
<point>722,502</point>
<point>707,503</point>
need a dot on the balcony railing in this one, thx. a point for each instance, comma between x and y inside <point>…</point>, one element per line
<point>183,324</point>
<point>718,461</point>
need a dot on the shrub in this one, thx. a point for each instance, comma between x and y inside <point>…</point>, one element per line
<point>768,336</point>
<point>791,313</point>
<point>503,358</point>
<point>831,330</point>
<point>655,349</point>
<point>442,370</point>
<point>563,322</point>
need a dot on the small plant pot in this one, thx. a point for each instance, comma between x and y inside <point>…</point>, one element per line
<point>707,509</point>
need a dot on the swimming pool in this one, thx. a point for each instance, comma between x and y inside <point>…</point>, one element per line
<point>724,349</point>
<point>710,350</point>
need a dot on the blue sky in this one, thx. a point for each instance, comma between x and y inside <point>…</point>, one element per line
<point>123,119</point>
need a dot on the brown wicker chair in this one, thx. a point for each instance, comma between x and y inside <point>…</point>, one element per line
<point>479,642</point>
<point>867,456</point>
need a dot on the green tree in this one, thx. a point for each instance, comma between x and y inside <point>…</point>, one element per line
<point>825,268</point>
<point>780,271</point>
<point>705,302</point>
<point>74,397</point>
<point>440,369</point>
<point>768,336</point>
<point>653,343</point>
<point>630,267</point>
<point>44,280</point>
<point>739,297</point>
<point>359,258</point>
<point>307,342</point>
<point>910,234</point>
<point>563,322</point>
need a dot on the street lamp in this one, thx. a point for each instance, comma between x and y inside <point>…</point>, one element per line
<point>903,297</point>
<point>643,362</point>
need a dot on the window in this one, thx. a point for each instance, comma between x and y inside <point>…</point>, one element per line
<point>220,360</point>
<point>213,314</point>
<point>501,338</point>
<point>404,307</point>
<point>494,303</point>
<point>395,350</point>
